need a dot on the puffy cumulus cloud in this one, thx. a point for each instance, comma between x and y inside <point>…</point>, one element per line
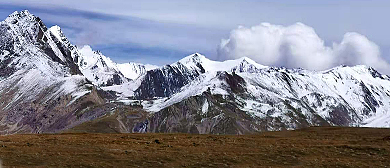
<point>356,49</point>
<point>298,45</point>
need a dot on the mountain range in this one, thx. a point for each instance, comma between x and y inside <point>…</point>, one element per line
<point>49,85</point>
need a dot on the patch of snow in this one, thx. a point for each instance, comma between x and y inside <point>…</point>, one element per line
<point>196,87</point>
<point>191,62</point>
<point>205,107</point>
<point>134,70</point>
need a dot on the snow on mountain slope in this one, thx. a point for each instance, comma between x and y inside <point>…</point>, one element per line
<point>32,60</point>
<point>57,32</point>
<point>243,64</point>
<point>38,77</point>
<point>41,87</point>
<point>196,87</point>
<point>96,67</point>
<point>99,68</point>
<point>63,40</point>
<point>208,72</point>
<point>343,95</point>
<point>134,70</point>
<point>167,80</point>
<point>40,69</point>
<point>125,90</point>
<point>353,93</point>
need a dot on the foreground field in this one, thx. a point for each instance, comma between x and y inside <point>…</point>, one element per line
<point>311,147</point>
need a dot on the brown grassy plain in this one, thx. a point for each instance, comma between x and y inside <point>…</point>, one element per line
<point>310,147</point>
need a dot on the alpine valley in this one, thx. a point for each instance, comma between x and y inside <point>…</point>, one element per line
<point>49,85</point>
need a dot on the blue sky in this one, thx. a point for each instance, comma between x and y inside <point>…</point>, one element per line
<point>161,32</point>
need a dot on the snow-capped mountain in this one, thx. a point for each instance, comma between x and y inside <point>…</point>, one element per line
<point>165,81</point>
<point>48,84</point>
<point>45,81</point>
<point>32,57</point>
<point>38,74</point>
<point>286,98</point>
<point>98,68</point>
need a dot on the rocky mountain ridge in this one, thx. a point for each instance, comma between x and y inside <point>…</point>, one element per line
<point>48,84</point>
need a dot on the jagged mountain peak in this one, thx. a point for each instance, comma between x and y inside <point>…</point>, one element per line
<point>23,27</point>
<point>193,58</point>
<point>359,71</point>
<point>239,65</point>
<point>101,70</point>
<point>36,67</point>
<point>247,60</point>
<point>24,14</point>
<point>57,32</point>
<point>168,79</point>
<point>97,67</point>
<point>27,37</point>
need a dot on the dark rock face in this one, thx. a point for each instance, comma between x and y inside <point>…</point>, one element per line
<point>165,81</point>
<point>369,99</point>
<point>340,116</point>
<point>235,82</point>
<point>375,73</point>
<point>115,80</point>
<point>6,47</point>
<point>6,40</point>
<point>202,70</point>
<point>5,68</point>
<point>66,52</point>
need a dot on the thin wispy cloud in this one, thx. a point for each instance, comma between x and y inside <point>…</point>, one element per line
<point>127,33</point>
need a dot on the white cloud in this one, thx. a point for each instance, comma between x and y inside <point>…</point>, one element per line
<point>298,45</point>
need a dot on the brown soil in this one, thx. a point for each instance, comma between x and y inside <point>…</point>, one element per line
<point>311,147</point>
